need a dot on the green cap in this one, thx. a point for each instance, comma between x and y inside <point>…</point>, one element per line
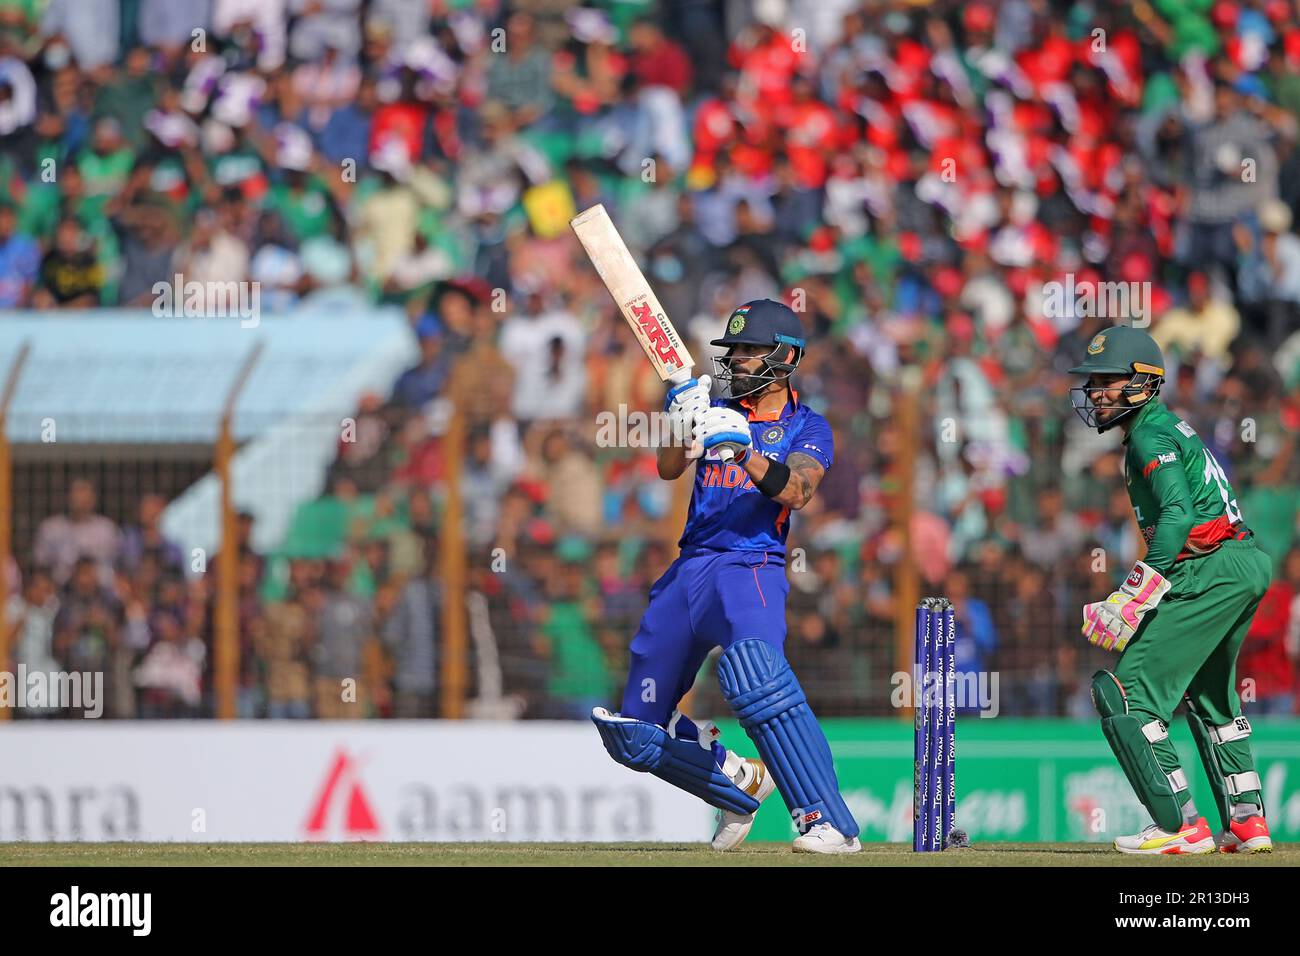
<point>1119,349</point>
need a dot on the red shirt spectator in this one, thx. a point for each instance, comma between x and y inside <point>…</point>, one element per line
<point>766,61</point>
<point>810,133</point>
<point>714,127</point>
<point>403,121</point>
<point>1264,658</point>
<point>658,61</point>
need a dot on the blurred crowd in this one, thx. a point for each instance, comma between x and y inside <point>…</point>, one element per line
<point>910,177</point>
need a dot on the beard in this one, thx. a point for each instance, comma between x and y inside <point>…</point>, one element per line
<point>1106,413</point>
<point>742,384</point>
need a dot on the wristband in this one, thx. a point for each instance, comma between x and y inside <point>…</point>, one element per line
<point>775,479</point>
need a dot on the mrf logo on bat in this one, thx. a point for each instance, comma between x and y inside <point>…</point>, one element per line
<point>654,331</point>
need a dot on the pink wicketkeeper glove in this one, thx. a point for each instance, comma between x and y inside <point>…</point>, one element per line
<point>1111,624</point>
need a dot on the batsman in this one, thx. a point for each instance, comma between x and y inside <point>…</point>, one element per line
<point>1179,619</point>
<point>760,455</point>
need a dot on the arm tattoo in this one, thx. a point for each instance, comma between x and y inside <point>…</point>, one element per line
<point>805,475</point>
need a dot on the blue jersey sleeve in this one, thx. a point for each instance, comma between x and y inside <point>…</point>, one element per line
<point>815,440</point>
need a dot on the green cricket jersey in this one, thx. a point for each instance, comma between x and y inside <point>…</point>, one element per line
<point>1183,501</point>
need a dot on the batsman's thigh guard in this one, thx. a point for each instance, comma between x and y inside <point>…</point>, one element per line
<point>683,763</point>
<point>762,690</point>
<point>1131,741</point>
<point>1209,738</point>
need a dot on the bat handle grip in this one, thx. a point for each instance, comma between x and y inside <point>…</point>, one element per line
<point>726,454</point>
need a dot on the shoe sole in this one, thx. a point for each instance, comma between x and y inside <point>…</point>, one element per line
<point>1182,849</point>
<point>1250,847</point>
<point>741,839</point>
<point>854,847</point>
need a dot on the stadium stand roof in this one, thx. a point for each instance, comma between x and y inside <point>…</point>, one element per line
<point>125,377</point>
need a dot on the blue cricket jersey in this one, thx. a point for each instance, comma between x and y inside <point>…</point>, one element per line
<point>727,512</point>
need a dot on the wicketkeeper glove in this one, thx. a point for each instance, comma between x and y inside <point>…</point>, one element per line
<point>1111,624</point>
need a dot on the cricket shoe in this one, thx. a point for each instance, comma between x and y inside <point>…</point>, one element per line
<point>751,776</point>
<point>1248,836</point>
<point>824,838</point>
<point>1190,838</point>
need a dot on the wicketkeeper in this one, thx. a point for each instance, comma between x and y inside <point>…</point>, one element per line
<point>1179,619</point>
<point>728,589</point>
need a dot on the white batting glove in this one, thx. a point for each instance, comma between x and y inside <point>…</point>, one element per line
<point>722,429</point>
<point>1111,624</point>
<point>684,405</point>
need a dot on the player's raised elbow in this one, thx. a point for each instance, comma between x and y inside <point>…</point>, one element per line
<point>671,462</point>
<point>797,502</point>
<point>796,494</point>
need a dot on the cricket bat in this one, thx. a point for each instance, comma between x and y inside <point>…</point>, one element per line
<point>634,298</point>
<point>633,295</point>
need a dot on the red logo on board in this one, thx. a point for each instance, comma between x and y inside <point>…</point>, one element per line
<point>341,808</point>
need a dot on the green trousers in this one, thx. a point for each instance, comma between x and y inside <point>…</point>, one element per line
<point>1189,644</point>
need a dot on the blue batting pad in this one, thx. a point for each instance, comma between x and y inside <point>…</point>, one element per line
<point>763,691</point>
<point>683,763</point>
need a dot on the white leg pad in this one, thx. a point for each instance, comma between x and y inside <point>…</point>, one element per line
<point>1239,783</point>
<point>1238,729</point>
<point>1155,731</point>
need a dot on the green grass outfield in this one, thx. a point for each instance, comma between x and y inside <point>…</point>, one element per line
<point>592,854</point>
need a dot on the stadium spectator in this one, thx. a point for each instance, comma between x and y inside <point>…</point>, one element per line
<point>1268,670</point>
<point>1269,271</point>
<point>146,539</point>
<point>170,673</point>
<point>169,25</point>
<point>149,235</point>
<point>579,677</point>
<point>410,635</point>
<point>283,643</point>
<point>71,277</point>
<point>121,106</point>
<point>342,626</point>
<point>79,535</point>
<point>521,79</point>
<point>1206,327</point>
<point>89,32</point>
<point>88,638</point>
<point>20,260</point>
<point>17,111</point>
<point>214,253</point>
<point>31,617</point>
<point>419,384</point>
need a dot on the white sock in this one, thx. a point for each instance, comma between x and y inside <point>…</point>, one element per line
<point>1241,812</point>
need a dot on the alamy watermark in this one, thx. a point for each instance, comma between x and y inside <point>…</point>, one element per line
<point>133,911</point>
<point>204,300</point>
<point>638,429</point>
<point>971,690</point>
<point>53,690</point>
<point>1098,300</point>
